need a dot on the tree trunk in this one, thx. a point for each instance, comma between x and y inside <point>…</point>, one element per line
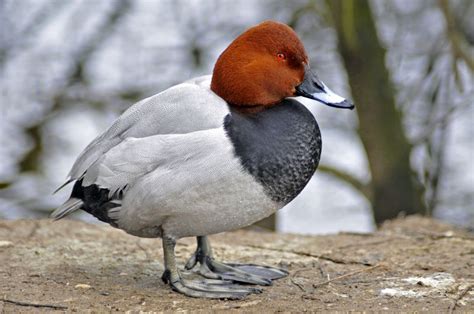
<point>380,123</point>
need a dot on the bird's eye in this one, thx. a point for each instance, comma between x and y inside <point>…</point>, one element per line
<point>281,56</point>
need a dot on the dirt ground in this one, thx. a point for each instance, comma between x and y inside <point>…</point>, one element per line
<point>413,264</point>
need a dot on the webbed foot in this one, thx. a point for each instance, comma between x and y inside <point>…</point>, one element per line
<point>206,288</point>
<point>242,273</point>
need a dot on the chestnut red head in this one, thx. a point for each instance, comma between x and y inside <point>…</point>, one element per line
<point>264,65</point>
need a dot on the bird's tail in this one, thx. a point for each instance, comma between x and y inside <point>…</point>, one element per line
<point>67,208</point>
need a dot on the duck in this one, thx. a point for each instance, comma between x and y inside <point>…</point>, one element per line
<point>212,154</point>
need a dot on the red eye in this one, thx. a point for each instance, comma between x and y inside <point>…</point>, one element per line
<point>281,56</point>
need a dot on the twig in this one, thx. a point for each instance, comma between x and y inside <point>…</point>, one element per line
<point>292,279</point>
<point>342,261</point>
<point>459,297</point>
<point>299,270</point>
<point>21,303</point>
<point>345,276</point>
<point>351,282</point>
<point>295,274</point>
<point>319,267</point>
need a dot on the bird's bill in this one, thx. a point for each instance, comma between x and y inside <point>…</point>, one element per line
<point>313,88</point>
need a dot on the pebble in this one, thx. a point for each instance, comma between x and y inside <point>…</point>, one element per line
<point>82,286</point>
<point>5,244</point>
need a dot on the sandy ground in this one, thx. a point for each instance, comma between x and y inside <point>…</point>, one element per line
<point>413,264</point>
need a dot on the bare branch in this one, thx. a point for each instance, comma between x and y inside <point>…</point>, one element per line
<point>363,188</point>
<point>445,117</point>
<point>458,44</point>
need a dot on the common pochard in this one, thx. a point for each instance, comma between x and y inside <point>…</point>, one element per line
<point>212,154</point>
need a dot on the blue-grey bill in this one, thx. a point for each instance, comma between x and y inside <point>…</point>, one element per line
<point>313,88</point>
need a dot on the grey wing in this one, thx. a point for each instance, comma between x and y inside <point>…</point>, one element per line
<point>123,165</point>
<point>181,109</point>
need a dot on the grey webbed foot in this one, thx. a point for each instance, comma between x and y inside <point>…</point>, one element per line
<point>206,288</point>
<point>213,289</point>
<point>242,273</point>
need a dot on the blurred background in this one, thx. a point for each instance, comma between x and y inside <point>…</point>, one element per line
<point>69,68</point>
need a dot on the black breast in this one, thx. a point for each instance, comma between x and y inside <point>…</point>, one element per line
<point>279,146</point>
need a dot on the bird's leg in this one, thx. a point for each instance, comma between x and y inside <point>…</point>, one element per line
<point>243,273</point>
<point>216,289</point>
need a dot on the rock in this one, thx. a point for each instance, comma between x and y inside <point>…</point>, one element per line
<point>82,286</point>
<point>5,244</point>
